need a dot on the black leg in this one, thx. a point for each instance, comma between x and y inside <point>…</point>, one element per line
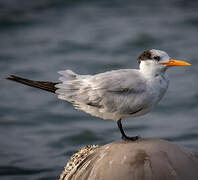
<point>124,136</point>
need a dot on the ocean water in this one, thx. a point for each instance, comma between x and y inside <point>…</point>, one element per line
<point>38,132</point>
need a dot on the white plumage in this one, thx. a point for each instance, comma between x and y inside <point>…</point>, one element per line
<point>117,94</point>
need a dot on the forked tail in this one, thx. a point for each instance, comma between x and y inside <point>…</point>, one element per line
<point>44,85</point>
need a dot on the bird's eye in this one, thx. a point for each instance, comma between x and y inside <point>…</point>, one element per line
<point>157,58</point>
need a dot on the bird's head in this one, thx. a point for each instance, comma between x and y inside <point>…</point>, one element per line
<point>155,62</point>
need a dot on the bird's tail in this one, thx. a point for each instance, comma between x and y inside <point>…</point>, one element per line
<point>44,85</point>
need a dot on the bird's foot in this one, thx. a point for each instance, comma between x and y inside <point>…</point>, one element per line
<point>133,138</point>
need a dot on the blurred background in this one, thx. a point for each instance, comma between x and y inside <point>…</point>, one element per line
<point>38,132</point>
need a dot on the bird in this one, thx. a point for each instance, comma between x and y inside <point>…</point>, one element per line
<point>116,94</point>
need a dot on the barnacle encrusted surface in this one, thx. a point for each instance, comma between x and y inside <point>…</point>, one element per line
<point>77,158</point>
<point>144,159</point>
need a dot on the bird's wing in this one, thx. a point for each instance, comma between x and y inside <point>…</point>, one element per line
<point>119,90</point>
<point>44,85</point>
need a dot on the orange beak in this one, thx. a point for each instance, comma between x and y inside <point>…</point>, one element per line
<point>174,62</point>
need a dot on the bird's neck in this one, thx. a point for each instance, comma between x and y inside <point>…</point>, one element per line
<point>151,71</point>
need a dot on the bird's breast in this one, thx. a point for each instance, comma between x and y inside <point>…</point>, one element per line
<point>157,88</point>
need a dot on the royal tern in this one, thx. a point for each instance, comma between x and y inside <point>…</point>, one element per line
<point>117,94</point>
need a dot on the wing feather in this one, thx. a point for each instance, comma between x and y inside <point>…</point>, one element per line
<point>114,91</point>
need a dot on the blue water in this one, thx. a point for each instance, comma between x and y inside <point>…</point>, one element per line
<point>38,132</point>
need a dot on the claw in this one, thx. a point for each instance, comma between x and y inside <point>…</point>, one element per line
<point>133,138</point>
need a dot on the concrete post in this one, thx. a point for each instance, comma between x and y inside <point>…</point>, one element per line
<point>145,159</point>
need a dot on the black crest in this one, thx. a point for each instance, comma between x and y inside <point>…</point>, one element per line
<point>144,56</point>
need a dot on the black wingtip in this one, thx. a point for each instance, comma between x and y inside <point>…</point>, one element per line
<point>10,77</point>
<point>13,78</point>
<point>44,85</point>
